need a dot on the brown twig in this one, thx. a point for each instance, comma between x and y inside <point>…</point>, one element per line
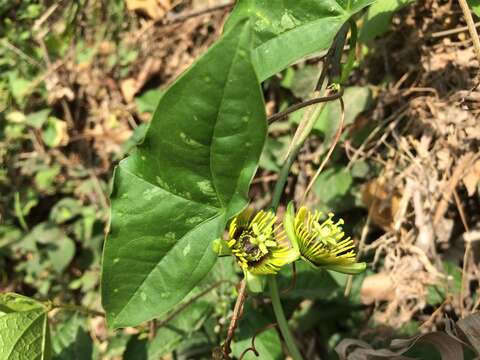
<point>452,31</point>
<point>303,104</point>
<point>20,53</point>
<point>437,311</point>
<point>183,17</point>
<point>237,313</point>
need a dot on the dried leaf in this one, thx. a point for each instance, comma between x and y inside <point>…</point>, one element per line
<point>472,178</point>
<point>381,201</point>
<point>377,287</point>
<point>470,326</point>
<point>129,89</point>
<point>449,348</point>
<point>154,9</point>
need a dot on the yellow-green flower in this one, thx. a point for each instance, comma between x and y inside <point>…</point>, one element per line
<point>259,243</point>
<point>322,244</point>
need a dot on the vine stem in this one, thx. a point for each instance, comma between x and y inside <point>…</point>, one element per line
<point>303,130</point>
<point>282,320</point>
<point>302,133</point>
<point>272,280</point>
<point>237,313</point>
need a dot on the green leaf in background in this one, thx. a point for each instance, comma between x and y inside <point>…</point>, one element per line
<point>274,152</point>
<point>304,81</point>
<point>475,5</point>
<point>54,132</point>
<point>71,341</point>
<point>267,342</point>
<point>60,249</point>
<point>38,118</point>
<point>19,87</point>
<point>9,235</point>
<point>286,31</point>
<point>65,210</point>
<point>332,189</point>
<point>179,329</point>
<point>454,272</point>
<point>45,178</point>
<point>136,349</point>
<point>356,100</point>
<point>182,331</point>
<point>24,329</point>
<point>148,101</point>
<point>173,196</point>
<point>379,18</point>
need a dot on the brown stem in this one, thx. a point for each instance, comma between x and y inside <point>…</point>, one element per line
<point>237,313</point>
<point>152,331</point>
<point>303,104</point>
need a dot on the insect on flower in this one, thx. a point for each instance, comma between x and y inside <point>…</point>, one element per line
<point>259,244</point>
<point>321,243</point>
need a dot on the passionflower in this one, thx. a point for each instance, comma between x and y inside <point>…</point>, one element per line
<point>323,244</point>
<point>259,244</point>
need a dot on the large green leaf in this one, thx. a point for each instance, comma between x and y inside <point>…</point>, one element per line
<point>288,30</point>
<point>24,331</point>
<point>172,198</point>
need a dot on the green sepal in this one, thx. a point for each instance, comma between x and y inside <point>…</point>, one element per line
<point>255,283</point>
<point>352,269</point>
